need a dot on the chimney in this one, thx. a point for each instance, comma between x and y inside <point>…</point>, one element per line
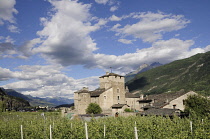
<point>141,96</point>
<point>85,88</point>
<point>126,89</point>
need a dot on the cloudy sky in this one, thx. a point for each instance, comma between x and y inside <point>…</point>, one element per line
<point>51,48</point>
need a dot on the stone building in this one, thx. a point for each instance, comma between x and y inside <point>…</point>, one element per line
<point>112,96</point>
<point>165,100</point>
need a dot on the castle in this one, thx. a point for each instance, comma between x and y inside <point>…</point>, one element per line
<point>111,96</point>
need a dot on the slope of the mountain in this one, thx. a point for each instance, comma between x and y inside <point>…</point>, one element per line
<point>58,100</point>
<point>14,93</point>
<point>36,101</point>
<point>141,69</point>
<point>50,101</point>
<point>65,105</point>
<point>11,102</point>
<point>190,74</point>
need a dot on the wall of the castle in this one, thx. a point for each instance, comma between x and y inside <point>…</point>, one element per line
<point>133,103</point>
<point>179,101</point>
<point>107,82</point>
<point>76,103</point>
<point>106,99</point>
<point>94,100</point>
<point>82,102</point>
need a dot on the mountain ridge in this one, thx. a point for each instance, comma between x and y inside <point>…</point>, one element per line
<point>191,74</point>
<point>36,101</point>
<point>142,68</point>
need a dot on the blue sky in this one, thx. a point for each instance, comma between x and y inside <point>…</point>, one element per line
<point>51,48</point>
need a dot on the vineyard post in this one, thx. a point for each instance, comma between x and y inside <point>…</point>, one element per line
<point>50,132</point>
<point>191,126</point>
<point>86,131</point>
<point>135,131</point>
<point>136,134</point>
<point>71,125</point>
<point>21,131</point>
<point>104,131</point>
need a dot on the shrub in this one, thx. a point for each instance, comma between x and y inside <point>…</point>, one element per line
<point>93,108</point>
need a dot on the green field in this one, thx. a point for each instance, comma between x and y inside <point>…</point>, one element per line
<point>36,126</point>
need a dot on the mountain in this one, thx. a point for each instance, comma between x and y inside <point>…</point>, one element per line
<point>52,101</point>
<point>14,93</point>
<point>141,69</point>
<point>36,101</point>
<point>11,102</point>
<point>65,105</point>
<point>190,74</point>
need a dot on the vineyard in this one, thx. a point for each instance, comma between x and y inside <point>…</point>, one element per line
<point>37,126</point>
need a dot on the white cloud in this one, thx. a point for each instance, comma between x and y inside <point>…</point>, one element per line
<point>8,39</point>
<point>65,35</point>
<point>45,81</point>
<point>5,74</point>
<point>7,10</point>
<point>9,50</point>
<point>13,29</point>
<point>115,18</point>
<point>163,51</point>
<point>151,26</point>
<point>26,50</point>
<point>101,1</point>
<point>113,8</point>
<point>125,41</point>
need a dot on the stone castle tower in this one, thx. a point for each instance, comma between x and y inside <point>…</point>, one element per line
<point>111,92</point>
<point>117,84</point>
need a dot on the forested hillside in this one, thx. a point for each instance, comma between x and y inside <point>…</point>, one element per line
<point>190,74</point>
<point>11,102</point>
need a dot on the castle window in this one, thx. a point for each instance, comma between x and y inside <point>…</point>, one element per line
<point>118,90</point>
<point>174,106</point>
<point>118,97</point>
<point>104,97</point>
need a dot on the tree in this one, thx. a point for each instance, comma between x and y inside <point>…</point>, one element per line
<point>93,108</point>
<point>198,105</point>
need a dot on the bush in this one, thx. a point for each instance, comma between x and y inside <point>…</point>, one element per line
<point>128,110</point>
<point>93,108</point>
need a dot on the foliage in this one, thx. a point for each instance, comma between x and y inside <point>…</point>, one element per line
<point>2,106</point>
<point>198,105</point>
<point>191,74</point>
<point>93,108</point>
<point>128,110</point>
<point>37,126</point>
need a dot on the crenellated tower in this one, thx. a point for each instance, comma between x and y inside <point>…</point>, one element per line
<point>117,83</point>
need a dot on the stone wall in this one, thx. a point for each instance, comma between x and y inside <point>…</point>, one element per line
<point>133,103</point>
<point>178,102</point>
<point>106,99</point>
<point>82,102</point>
